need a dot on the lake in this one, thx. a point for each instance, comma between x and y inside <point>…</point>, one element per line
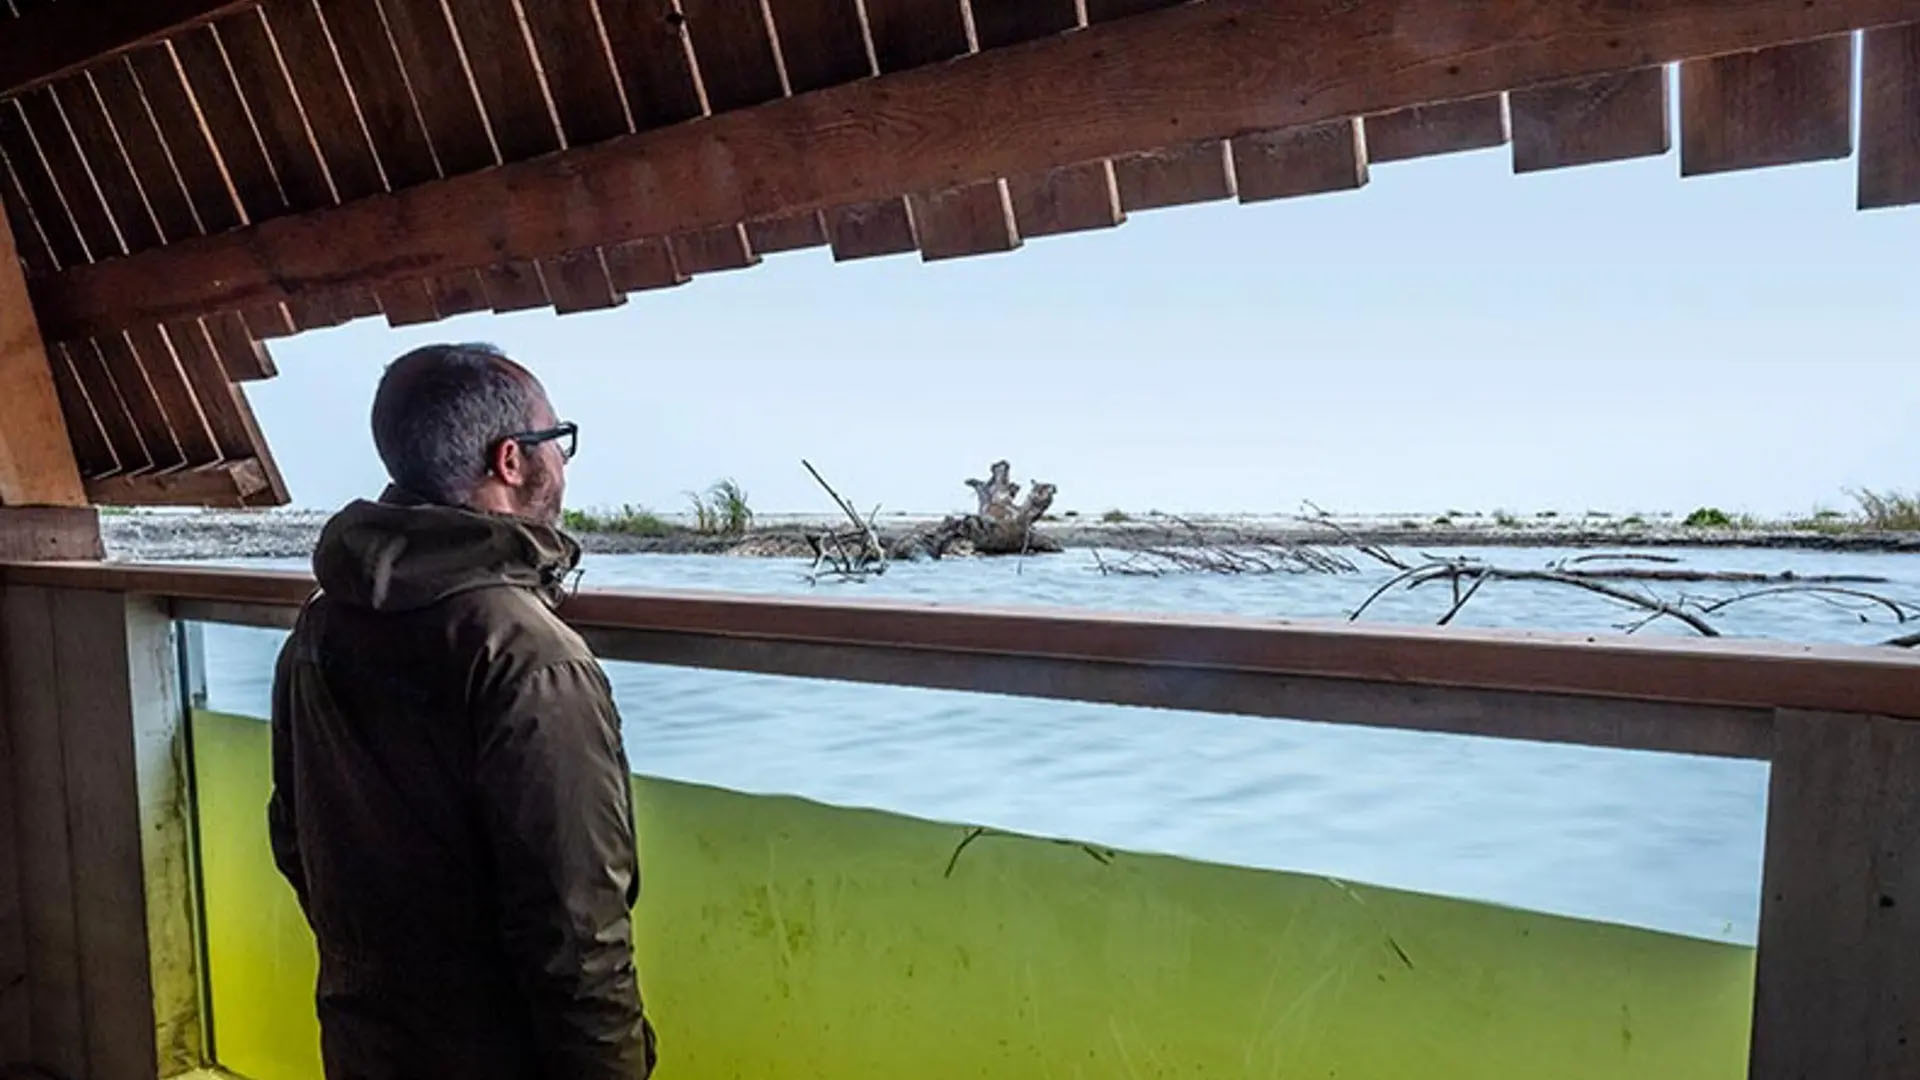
<point>1664,841</point>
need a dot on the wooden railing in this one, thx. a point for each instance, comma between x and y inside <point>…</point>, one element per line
<point>1841,906</point>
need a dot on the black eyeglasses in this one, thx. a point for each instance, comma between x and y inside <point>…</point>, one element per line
<point>568,431</point>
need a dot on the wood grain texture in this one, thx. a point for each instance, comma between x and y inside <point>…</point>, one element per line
<point>92,451</point>
<point>164,91</point>
<point>1176,176</point>
<point>1777,106</point>
<point>911,33</point>
<point>643,264</point>
<point>649,43</point>
<point>44,534</point>
<point>428,53</point>
<point>1067,199</point>
<point>1835,989</point>
<point>28,171</point>
<point>866,230</point>
<point>822,42</point>
<point>147,153</point>
<point>708,250</point>
<point>228,485</point>
<point>458,293</point>
<point>222,112</point>
<point>734,50</point>
<point>276,112</point>
<point>1586,121</point>
<point>514,286</point>
<point>116,420</point>
<point>1446,128</point>
<point>37,463</point>
<point>578,282</point>
<point>1200,71</point>
<point>99,146</point>
<point>788,233</point>
<point>1300,161</point>
<point>1009,22</point>
<point>60,39</point>
<point>205,374</point>
<point>383,99</point>
<point>1890,117</point>
<point>578,69</point>
<point>79,195</point>
<point>504,71</point>
<point>242,356</point>
<point>30,244</point>
<point>971,220</point>
<point>179,403</point>
<point>407,303</point>
<point>320,85</point>
<point>138,390</point>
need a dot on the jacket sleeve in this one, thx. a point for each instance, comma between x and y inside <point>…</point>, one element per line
<point>551,779</point>
<point>281,815</point>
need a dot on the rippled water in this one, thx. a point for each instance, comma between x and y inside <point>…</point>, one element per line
<point>1664,841</point>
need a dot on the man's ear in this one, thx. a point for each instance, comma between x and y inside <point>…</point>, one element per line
<point>509,464</point>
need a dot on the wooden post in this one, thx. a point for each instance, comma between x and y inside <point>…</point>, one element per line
<point>106,934</point>
<point>1837,992</point>
<point>36,458</point>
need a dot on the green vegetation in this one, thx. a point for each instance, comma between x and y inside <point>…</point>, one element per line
<point>1115,517</point>
<point>1409,524</point>
<point>1708,517</point>
<point>723,510</point>
<point>1504,519</point>
<point>1634,520</point>
<point>1443,520</point>
<point>629,520</point>
<point>1888,511</point>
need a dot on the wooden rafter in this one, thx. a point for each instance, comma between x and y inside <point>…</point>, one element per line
<point>59,39</point>
<point>36,454</point>
<point>1195,72</point>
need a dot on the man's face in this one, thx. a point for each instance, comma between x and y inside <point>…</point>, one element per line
<point>545,491</point>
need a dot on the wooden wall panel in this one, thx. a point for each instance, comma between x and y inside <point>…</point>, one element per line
<point>1300,161</point>
<point>1586,121</point>
<point>1836,990</point>
<point>1777,106</point>
<point>1445,128</point>
<point>1890,117</point>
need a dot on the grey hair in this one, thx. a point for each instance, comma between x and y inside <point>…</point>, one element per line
<point>441,409</point>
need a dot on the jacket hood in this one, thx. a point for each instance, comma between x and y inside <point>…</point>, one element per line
<point>403,554</point>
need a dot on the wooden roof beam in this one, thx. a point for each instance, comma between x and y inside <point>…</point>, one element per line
<point>59,39</point>
<point>1206,70</point>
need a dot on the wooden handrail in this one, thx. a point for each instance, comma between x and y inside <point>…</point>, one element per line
<point>1742,675</point>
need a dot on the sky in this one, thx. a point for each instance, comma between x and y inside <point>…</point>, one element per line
<point>1450,337</point>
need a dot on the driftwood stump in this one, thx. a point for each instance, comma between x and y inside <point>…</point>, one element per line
<point>1000,525</point>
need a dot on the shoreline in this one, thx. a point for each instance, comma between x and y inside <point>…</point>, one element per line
<point>287,534</point>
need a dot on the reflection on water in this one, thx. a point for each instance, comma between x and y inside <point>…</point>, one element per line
<point>1657,840</point>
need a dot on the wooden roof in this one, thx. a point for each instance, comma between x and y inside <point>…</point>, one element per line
<point>186,178</point>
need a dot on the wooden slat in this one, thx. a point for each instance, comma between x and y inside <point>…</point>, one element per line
<point>503,70</point>
<point>179,402</point>
<point>1196,172</point>
<point>215,203</point>
<point>864,230</point>
<point>648,41</point>
<point>911,33</point>
<point>821,42</point>
<point>1835,989</point>
<point>78,191</point>
<point>971,220</point>
<point>734,52</point>
<point>578,68</point>
<point>1890,117</point>
<point>1102,10</point>
<point>42,194</point>
<point>227,121</point>
<point>579,282</point>
<point>1445,128</point>
<point>276,112</point>
<point>314,312</point>
<point>642,264</point>
<point>212,388</point>
<point>242,357</point>
<point>386,104</point>
<point>107,163</point>
<point>458,293</point>
<point>321,87</point>
<point>38,787</point>
<point>147,154</point>
<point>788,233</point>
<point>30,244</point>
<point>407,303</point>
<point>1776,106</point>
<point>137,389</point>
<point>708,250</point>
<point>109,405</point>
<point>514,286</point>
<point>1299,161</point>
<point>1000,112</point>
<point>230,484</point>
<point>59,39</point>
<point>267,321</point>
<point>274,492</point>
<point>1008,22</point>
<point>36,451</point>
<point>1067,199</point>
<point>92,452</point>
<point>429,56</point>
<point>1585,121</point>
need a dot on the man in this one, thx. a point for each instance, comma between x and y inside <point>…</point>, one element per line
<point>450,790</point>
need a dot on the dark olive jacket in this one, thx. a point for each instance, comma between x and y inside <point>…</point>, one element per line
<point>451,805</point>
